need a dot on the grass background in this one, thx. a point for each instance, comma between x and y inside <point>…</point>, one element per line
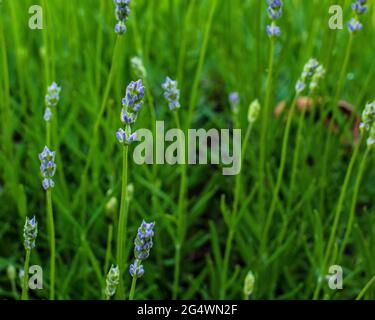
<point>176,38</point>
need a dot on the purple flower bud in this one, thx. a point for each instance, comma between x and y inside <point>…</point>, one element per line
<point>47,167</point>
<point>171,93</point>
<point>354,25</point>
<point>273,31</point>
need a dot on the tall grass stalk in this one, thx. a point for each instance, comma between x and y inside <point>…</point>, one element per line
<point>264,127</point>
<point>181,219</point>
<point>51,232</point>
<point>233,221</point>
<point>357,184</point>
<point>122,222</point>
<point>25,280</point>
<point>275,195</point>
<point>335,101</point>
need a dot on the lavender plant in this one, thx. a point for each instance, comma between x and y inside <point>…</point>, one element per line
<point>311,74</point>
<point>131,104</point>
<point>172,96</point>
<point>48,169</point>
<point>30,232</point>
<point>274,10</point>
<point>142,246</point>
<point>52,98</point>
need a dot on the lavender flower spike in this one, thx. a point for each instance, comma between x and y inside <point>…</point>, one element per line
<point>53,95</point>
<point>171,93</point>
<point>142,246</point>
<point>112,281</point>
<point>275,10</point>
<point>30,232</point>
<point>47,167</point>
<point>122,12</point>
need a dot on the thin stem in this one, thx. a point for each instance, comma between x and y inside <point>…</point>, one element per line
<point>108,253</point>
<point>132,289</point>
<point>233,221</point>
<point>122,223</point>
<point>180,212</point>
<point>264,127</point>
<point>51,232</point>
<point>134,281</point>
<point>357,184</point>
<point>364,290</point>
<point>275,196</point>
<point>25,281</point>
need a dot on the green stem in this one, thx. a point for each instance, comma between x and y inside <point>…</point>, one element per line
<point>132,289</point>
<point>264,128</point>
<point>275,196</point>
<point>25,281</point>
<point>51,232</point>
<point>180,213</point>
<point>357,184</point>
<point>233,222</point>
<point>134,282</point>
<point>108,253</point>
<point>122,223</point>
<point>364,290</point>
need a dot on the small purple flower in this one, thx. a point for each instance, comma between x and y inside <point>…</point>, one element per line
<point>171,93</point>
<point>47,167</point>
<point>273,31</point>
<point>122,13</point>
<point>124,138</point>
<point>134,95</point>
<point>359,6</point>
<point>136,269</point>
<point>354,25</point>
<point>30,232</point>
<point>275,9</point>
<point>47,114</point>
<point>53,95</point>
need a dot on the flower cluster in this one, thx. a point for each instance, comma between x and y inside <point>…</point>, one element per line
<point>142,245</point>
<point>275,10</point>
<point>122,13</point>
<point>234,101</point>
<point>359,7</point>
<point>112,281</point>
<point>312,73</point>
<point>30,231</point>
<point>368,122</point>
<point>131,104</point>
<point>52,98</point>
<point>47,167</point>
<point>171,93</point>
